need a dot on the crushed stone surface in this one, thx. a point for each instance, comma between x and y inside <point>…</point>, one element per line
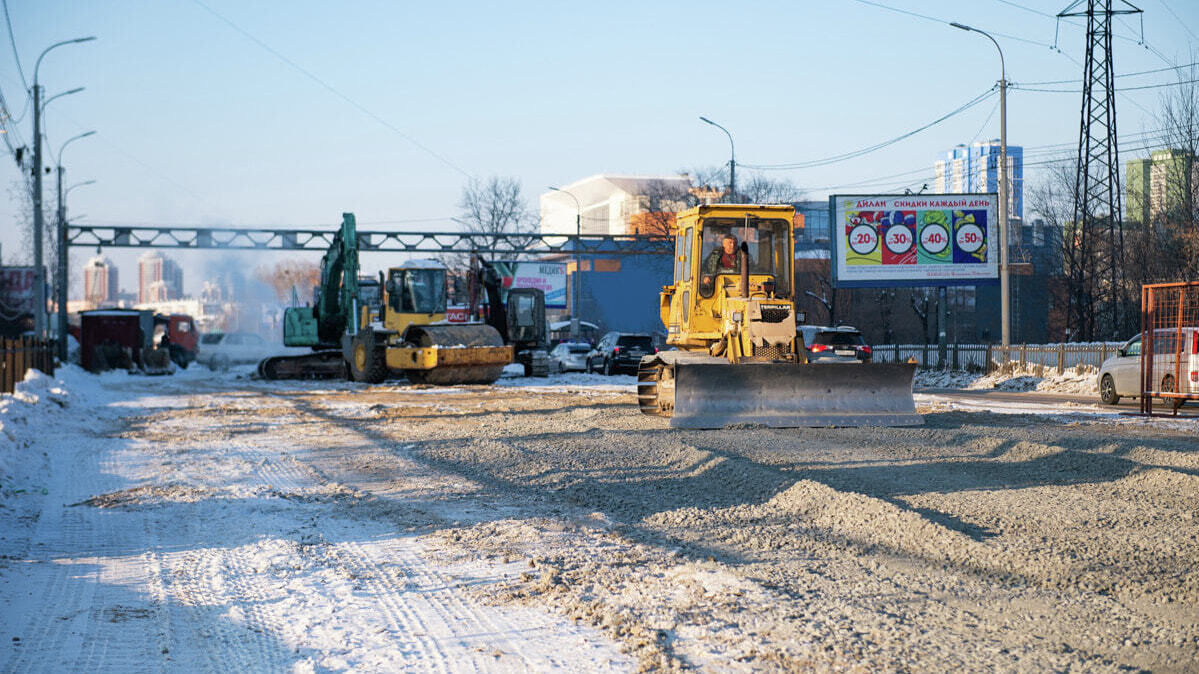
<point>976,542</point>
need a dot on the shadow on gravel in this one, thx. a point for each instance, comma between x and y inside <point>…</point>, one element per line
<point>614,471</point>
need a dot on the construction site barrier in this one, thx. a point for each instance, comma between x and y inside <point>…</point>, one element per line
<point>1169,345</point>
<point>19,356</point>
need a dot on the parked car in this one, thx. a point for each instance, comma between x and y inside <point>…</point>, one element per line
<point>842,344</point>
<point>1120,375</point>
<point>569,357</point>
<point>620,351</point>
<point>219,350</point>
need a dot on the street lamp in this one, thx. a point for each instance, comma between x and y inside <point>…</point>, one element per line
<point>61,281</point>
<point>1005,319</point>
<point>39,291</point>
<point>732,159</point>
<point>574,302</point>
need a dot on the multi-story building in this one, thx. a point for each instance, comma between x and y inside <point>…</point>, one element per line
<point>159,279</point>
<point>974,168</point>
<point>616,204</point>
<point>100,282</point>
<point>1155,187</point>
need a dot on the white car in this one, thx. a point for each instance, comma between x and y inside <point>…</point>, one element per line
<point>1120,375</point>
<point>569,356</point>
<point>219,350</point>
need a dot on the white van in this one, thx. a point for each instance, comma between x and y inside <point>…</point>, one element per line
<point>1175,366</point>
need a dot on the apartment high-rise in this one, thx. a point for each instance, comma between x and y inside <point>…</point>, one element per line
<point>1154,187</point>
<point>159,279</point>
<point>100,281</point>
<point>975,168</point>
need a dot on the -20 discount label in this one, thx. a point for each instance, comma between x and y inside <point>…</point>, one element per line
<point>863,239</point>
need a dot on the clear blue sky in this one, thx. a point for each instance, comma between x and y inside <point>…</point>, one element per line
<point>199,124</point>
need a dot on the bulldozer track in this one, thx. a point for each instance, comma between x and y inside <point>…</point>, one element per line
<point>648,375</point>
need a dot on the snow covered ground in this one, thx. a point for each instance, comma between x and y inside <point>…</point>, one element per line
<point>211,521</point>
<point>129,542</point>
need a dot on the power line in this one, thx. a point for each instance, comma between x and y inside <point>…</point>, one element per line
<point>1029,151</point>
<point>1142,72</point>
<point>878,146</point>
<point>1027,9</point>
<point>942,21</point>
<point>361,108</point>
<point>1076,91</point>
<point>1179,19</point>
<point>13,42</point>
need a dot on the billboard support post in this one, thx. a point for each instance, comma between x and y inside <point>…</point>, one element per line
<point>942,337</point>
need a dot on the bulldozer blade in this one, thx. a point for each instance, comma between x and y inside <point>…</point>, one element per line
<point>789,395</point>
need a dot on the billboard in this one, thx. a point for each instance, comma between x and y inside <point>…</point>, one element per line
<point>549,277</point>
<point>886,240</point>
<point>16,291</point>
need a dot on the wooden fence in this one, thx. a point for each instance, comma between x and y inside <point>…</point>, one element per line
<point>19,356</point>
<point>989,357</point>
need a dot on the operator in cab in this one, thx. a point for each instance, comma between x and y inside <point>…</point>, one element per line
<point>722,260</point>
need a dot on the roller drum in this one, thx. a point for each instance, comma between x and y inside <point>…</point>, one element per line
<point>455,336</point>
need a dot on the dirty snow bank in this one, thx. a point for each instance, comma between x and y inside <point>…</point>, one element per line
<point>1079,380</point>
<point>41,401</point>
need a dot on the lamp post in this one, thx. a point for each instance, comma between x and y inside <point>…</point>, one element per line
<point>1005,318</point>
<point>732,159</point>
<point>575,317</point>
<point>62,276</point>
<point>39,291</point>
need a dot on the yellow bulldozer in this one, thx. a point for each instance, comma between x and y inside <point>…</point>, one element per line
<point>731,316</point>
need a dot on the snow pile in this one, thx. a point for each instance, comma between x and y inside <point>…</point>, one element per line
<point>40,401</point>
<point>1078,380</point>
<point>945,378</point>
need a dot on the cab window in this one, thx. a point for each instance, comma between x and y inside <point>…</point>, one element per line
<point>417,291</point>
<point>766,241</point>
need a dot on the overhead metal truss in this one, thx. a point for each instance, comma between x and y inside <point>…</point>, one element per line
<point>227,238</point>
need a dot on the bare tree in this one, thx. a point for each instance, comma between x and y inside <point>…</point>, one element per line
<point>493,206</point>
<point>752,188</point>
<point>660,202</point>
<point>303,275</point>
<point>1179,118</point>
<point>758,189</point>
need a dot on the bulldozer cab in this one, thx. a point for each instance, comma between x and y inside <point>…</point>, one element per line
<point>718,248</point>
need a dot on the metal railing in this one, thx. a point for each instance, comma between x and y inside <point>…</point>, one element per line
<point>19,356</point>
<point>990,357</point>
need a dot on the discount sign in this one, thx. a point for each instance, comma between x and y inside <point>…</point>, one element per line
<point>913,240</point>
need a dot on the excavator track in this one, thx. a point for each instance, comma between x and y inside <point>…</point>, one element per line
<point>324,364</point>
